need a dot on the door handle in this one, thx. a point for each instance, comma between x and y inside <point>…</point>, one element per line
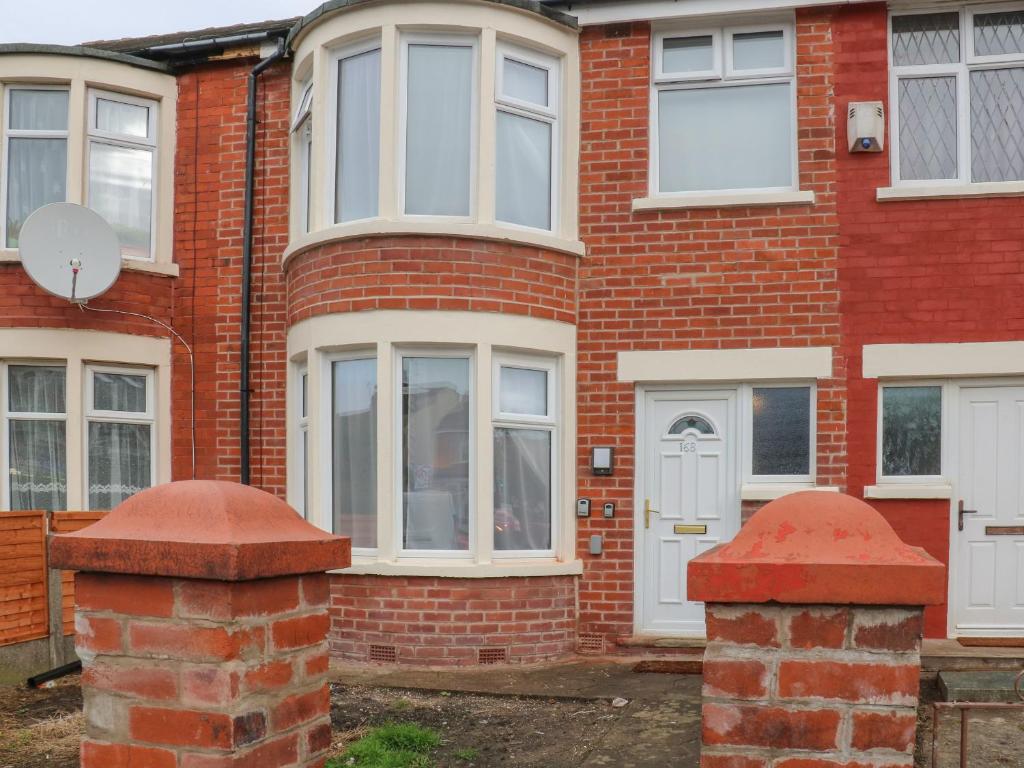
<point>647,513</point>
<point>960,512</point>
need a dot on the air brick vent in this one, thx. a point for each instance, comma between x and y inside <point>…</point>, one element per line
<point>383,654</point>
<point>492,655</point>
<point>590,642</point>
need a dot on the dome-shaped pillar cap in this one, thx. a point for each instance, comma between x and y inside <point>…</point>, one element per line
<point>201,529</point>
<point>817,547</point>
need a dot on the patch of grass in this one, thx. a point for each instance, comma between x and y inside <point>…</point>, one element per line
<point>396,745</point>
<point>401,704</point>
<point>468,754</point>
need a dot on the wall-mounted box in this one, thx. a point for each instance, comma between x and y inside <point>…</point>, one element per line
<point>865,126</point>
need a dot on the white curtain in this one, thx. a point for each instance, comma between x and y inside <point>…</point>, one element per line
<point>438,128</point>
<point>522,489</point>
<point>119,392</point>
<point>354,471</point>
<point>358,170</point>
<point>37,177</point>
<point>524,171</point>
<point>121,191</point>
<point>38,469</point>
<point>120,462</point>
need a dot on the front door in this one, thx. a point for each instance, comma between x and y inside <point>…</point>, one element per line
<point>989,551</point>
<point>687,503</point>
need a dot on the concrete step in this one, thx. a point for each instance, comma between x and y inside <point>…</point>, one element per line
<point>979,686</point>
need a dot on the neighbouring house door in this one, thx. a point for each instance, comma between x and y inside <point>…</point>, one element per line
<point>989,589</point>
<point>688,500</point>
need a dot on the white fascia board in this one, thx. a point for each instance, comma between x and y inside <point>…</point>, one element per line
<point>703,365</point>
<point>655,10</point>
<point>992,358</point>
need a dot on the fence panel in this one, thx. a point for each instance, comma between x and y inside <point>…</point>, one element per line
<point>67,522</point>
<point>23,575</point>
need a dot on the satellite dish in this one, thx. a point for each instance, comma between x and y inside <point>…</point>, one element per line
<point>70,251</point>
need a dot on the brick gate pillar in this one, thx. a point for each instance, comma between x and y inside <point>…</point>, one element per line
<point>201,622</point>
<point>814,619</point>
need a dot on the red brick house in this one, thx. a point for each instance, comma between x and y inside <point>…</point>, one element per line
<point>543,299</point>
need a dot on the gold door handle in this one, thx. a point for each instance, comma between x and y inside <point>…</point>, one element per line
<point>647,513</point>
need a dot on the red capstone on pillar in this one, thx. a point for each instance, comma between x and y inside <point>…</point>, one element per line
<point>201,622</point>
<point>814,620</point>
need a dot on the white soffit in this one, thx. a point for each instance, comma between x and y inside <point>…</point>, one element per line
<point>701,365</point>
<point>992,358</point>
<point>590,14</point>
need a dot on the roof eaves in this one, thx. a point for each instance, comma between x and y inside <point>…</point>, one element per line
<point>85,52</point>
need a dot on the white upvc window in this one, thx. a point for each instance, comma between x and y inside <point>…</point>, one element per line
<point>527,147</point>
<point>34,445</point>
<point>302,424</point>
<point>723,110</point>
<point>121,174</point>
<point>356,76</point>
<point>438,125</point>
<point>780,422</point>
<point>120,421</point>
<point>35,154</point>
<point>437,446</point>
<point>353,443</point>
<point>957,95</point>
<point>910,429</point>
<point>525,419</point>
<point>302,128</point>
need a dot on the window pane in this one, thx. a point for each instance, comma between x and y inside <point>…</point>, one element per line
<point>928,134</point>
<point>522,489</point>
<point>997,124</point>
<point>307,175</point>
<point>759,50</point>
<point>782,431</point>
<point>691,422</point>
<point>725,138</point>
<point>524,171</point>
<point>911,431</point>
<point>119,117</point>
<point>999,33</point>
<point>304,396</point>
<point>119,392</point>
<point>525,82</point>
<point>120,461</point>
<point>438,127</point>
<point>926,38</point>
<point>36,176</point>
<point>355,450</point>
<point>435,453</point>
<point>358,171</point>
<point>38,465</point>
<point>523,391</point>
<point>121,191</point>
<point>688,54</point>
<point>36,389</point>
<point>39,110</point>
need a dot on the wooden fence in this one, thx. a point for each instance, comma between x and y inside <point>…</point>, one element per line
<point>26,589</point>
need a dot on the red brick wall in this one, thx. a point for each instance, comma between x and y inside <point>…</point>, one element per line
<point>912,272</point>
<point>448,622</point>
<point>209,188</point>
<point>690,279</point>
<point>432,273</point>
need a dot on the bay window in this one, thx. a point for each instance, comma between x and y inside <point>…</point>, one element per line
<point>119,435</point>
<point>302,127</point>
<point>723,110</point>
<point>957,89</point>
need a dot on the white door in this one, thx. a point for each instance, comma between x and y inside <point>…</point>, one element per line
<point>989,551</point>
<point>688,500</point>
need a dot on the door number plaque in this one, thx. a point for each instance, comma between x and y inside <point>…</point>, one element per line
<point>689,529</point>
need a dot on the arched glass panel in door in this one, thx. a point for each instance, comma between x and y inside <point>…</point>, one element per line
<point>702,425</point>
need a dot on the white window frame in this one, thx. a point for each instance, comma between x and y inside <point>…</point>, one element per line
<point>301,406</point>
<point>302,129</point>
<point>95,136</point>
<point>548,422</point>
<point>7,416</point>
<point>547,114</point>
<point>470,355</point>
<point>722,76</point>
<point>14,133</point>
<point>944,422</point>
<point>747,414</point>
<point>91,414</point>
<point>471,41</point>
<point>961,71</point>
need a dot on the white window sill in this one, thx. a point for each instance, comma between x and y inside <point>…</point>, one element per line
<point>772,491</point>
<point>428,227</point>
<point>908,491</point>
<point>10,256</point>
<point>950,191</point>
<point>457,570</point>
<point>722,200</point>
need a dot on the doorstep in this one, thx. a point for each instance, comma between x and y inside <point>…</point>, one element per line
<point>642,643</point>
<point>989,685</point>
<point>948,655</point>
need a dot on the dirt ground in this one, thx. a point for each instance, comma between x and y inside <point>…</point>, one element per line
<point>41,729</point>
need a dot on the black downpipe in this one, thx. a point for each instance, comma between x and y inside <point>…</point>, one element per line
<point>250,186</point>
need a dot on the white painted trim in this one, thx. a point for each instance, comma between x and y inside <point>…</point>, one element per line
<point>950,191</point>
<point>993,358</point>
<point>770,492</point>
<point>908,491</point>
<point>171,269</point>
<point>463,570</point>
<point>653,10</point>
<point>722,200</point>
<point>704,365</point>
